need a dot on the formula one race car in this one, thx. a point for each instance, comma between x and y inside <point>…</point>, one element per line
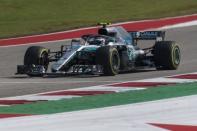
<point>111,51</point>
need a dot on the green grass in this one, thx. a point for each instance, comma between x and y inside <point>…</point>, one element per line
<point>98,101</point>
<point>23,17</point>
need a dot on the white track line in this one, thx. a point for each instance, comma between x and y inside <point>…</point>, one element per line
<point>108,88</point>
<point>40,97</point>
<point>169,80</point>
<point>186,24</point>
<point>4,105</point>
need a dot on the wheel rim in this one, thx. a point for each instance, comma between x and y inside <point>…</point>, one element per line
<point>115,62</point>
<point>177,56</point>
<point>44,60</point>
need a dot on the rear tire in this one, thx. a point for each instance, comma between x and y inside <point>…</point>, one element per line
<point>109,58</point>
<point>36,55</point>
<point>167,55</point>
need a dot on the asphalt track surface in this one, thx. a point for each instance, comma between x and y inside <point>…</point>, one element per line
<point>12,85</point>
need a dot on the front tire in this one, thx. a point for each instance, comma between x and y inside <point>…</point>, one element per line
<point>167,55</point>
<point>36,55</point>
<point>109,58</point>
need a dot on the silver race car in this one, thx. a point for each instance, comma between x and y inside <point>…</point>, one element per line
<point>111,51</point>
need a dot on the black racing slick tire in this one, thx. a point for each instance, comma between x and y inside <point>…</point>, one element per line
<point>36,55</point>
<point>167,55</point>
<point>109,58</point>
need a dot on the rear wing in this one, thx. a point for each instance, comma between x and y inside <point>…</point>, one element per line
<point>148,35</point>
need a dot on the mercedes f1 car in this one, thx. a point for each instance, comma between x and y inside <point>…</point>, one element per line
<point>111,51</point>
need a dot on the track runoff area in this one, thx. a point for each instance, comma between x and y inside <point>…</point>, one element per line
<point>177,114</point>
